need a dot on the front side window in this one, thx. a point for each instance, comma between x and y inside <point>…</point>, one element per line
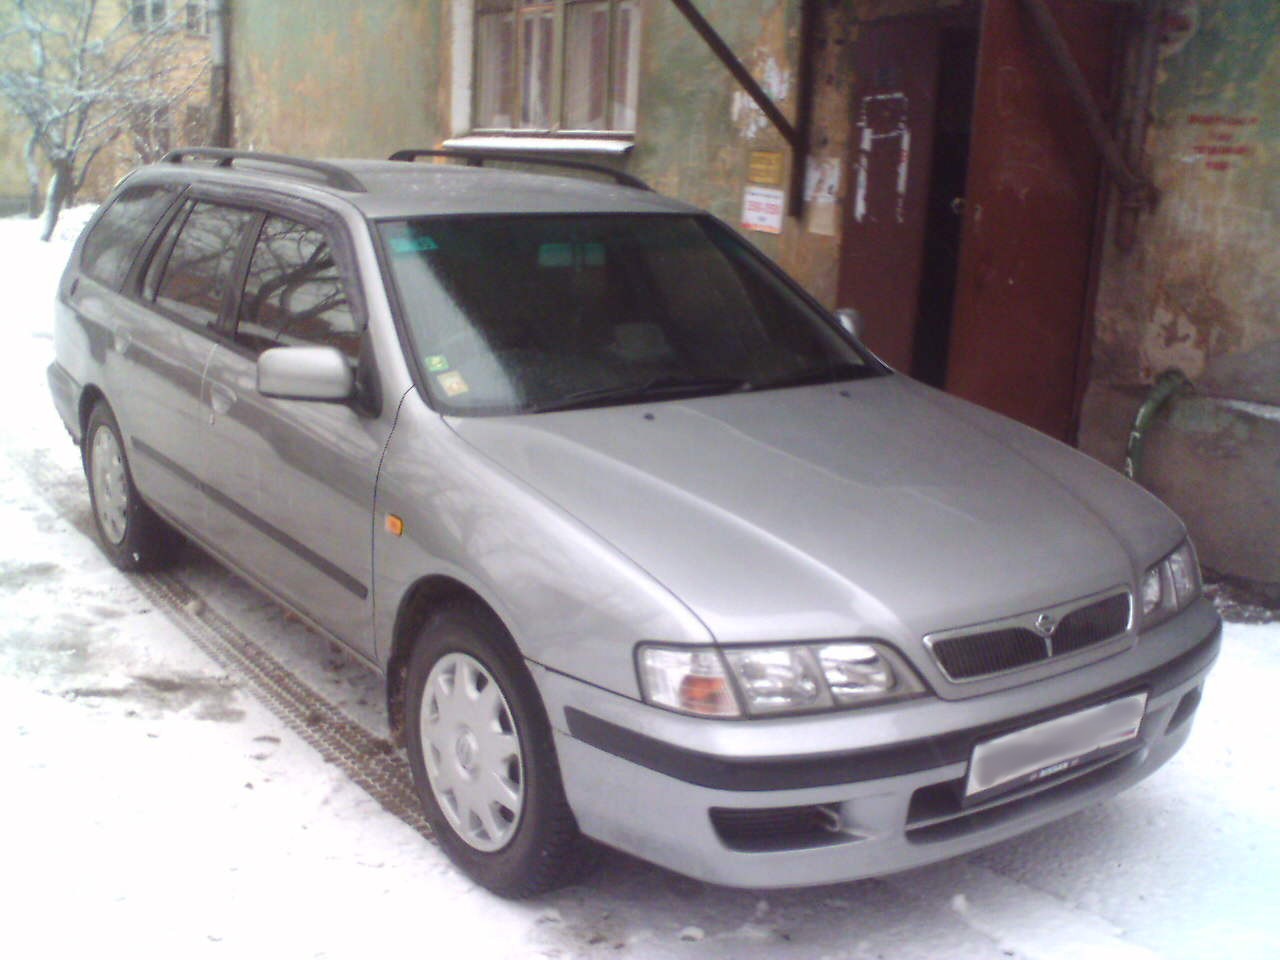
<point>534,314</point>
<point>556,65</point>
<point>193,275</point>
<point>294,293</point>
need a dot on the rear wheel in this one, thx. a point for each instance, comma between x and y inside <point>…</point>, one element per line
<point>483,759</point>
<point>131,534</point>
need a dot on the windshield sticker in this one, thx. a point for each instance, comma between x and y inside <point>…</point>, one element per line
<point>452,383</point>
<point>403,245</point>
<point>555,255</point>
<point>437,363</point>
<point>571,254</point>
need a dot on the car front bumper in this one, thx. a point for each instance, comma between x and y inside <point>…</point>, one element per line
<point>836,797</point>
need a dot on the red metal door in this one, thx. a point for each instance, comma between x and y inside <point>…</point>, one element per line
<point>1030,211</point>
<point>888,181</point>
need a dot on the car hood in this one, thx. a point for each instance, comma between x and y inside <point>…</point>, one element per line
<point>877,507</point>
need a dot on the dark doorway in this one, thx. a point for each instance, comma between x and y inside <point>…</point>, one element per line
<point>944,217</point>
<point>912,111</point>
<point>972,202</point>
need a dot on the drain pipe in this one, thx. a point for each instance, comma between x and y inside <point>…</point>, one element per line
<point>1166,385</point>
<point>220,122</point>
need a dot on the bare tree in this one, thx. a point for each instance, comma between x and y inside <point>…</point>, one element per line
<point>83,72</point>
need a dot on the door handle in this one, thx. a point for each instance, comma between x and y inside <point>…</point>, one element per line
<point>220,398</point>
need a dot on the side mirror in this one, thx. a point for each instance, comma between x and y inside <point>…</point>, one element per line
<point>305,373</point>
<point>851,320</point>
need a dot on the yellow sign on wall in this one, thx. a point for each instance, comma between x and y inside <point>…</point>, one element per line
<point>766,167</point>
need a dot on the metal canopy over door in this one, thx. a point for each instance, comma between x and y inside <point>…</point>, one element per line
<point>1031,207</point>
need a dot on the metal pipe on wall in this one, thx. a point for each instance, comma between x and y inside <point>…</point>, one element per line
<point>220,123</point>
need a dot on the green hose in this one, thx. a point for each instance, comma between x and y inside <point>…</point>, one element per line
<point>1166,385</point>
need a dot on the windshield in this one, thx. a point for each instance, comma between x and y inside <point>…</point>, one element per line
<point>529,314</point>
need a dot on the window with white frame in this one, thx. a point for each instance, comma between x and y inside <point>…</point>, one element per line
<point>556,65</point>
<point>149,14</point>
<point>198,16</point>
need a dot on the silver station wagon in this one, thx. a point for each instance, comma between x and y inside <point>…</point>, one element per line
<point>650,550</point>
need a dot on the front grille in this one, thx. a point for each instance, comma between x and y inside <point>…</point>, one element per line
<point>980,654</point>
<point>971,656</point>
<point>1092,624</point>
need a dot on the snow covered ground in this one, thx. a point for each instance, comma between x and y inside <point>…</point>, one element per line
<point>152,808</point>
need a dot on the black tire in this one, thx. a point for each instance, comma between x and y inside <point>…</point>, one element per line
<point>130,533</point>
<point>539,848</point>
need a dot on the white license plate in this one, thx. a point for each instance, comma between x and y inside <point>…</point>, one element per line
<point>1054,746</point>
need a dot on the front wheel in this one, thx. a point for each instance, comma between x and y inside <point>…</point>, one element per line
<point>483,759</point>
<point>131,534</point>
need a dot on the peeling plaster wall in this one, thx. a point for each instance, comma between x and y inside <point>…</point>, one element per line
<point>330,78</point>
<point>1200,290</point>
<point>698,129</point>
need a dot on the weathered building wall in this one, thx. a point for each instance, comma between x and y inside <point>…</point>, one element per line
<point>186,53</point>
<point>330,78</point>
<point>698,129</point>
<point>1200,290</point>
<point>184,58</point>
<point>304,81</point>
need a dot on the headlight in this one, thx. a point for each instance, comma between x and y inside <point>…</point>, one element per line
<point>775,679</point>
<point>1170,585</point>
<point>791,678</point>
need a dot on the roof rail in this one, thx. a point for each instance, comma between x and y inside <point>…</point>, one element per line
<point>331,174</point>
<point>477,158</point>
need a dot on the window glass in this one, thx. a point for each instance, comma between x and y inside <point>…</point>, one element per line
<point>148,14</point>
<point>495,64</point>
<point>198,272</point>
<point>521,314</point>
<point>116,238</point>
<point>625,83</point>
<point>537,39</point>
<point>556,64</point>
<point>294,293</point>
<point>198,16</point>
<point>587,62</point>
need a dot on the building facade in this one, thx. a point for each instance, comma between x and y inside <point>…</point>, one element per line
<point>1040,205</point>
<point>144,62</point>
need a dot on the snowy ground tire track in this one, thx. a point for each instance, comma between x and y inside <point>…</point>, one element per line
<point>369,761</point>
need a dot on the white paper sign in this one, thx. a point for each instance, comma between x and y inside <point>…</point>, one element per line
<point>763,209</point>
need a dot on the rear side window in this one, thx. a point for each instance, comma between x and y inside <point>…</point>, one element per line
<point>197,274</point>
<point>294,293</point>
<point>113,243</point>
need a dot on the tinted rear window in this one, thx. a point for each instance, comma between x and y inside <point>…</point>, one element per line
<point>113,243</point>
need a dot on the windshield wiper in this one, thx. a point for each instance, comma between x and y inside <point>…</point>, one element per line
<point>657,388</point>
<point>832,374</point>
